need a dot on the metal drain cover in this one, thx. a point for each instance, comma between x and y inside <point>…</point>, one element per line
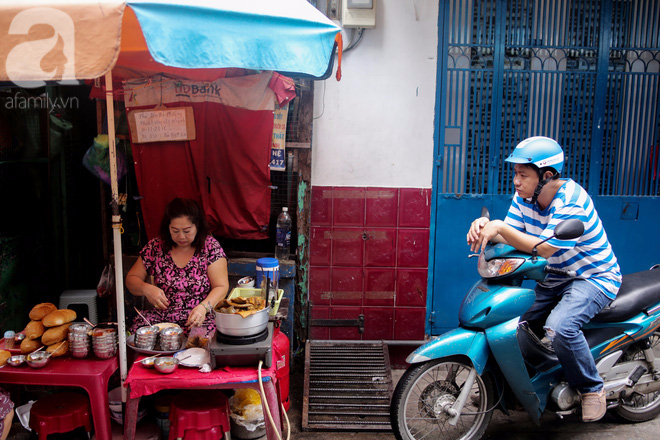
<point>348,386</point>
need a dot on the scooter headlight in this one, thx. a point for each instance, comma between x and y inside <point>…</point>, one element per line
<point>498,267</point>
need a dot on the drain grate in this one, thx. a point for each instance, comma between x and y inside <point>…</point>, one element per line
<point>348,386</point>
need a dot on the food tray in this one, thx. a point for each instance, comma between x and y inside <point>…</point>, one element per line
<point>130,341</point>
<point>247,292</point>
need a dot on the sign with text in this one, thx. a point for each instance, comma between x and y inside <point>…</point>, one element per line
<point>162,124</point>
<point>277,153</point>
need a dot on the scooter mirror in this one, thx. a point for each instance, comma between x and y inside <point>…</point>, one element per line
<point>569,229</point>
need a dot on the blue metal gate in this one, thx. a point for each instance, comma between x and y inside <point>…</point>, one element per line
<point>584,72</point>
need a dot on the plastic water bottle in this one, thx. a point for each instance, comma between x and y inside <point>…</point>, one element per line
<point>283,235</point>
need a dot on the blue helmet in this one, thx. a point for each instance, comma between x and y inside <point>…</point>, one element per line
<point>540,151</point>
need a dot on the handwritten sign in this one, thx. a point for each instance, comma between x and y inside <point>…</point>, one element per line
<point>162,124</point>
<point>277,157</point>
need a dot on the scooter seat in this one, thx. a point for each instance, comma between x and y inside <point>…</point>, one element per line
<point>639,291</point>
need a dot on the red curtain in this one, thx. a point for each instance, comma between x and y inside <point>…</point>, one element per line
<point>225,169</point>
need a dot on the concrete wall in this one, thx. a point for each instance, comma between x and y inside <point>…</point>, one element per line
<point>375,126</point>
<point>372,163</point>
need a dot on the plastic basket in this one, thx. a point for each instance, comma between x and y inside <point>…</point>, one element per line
<point>247,292</point>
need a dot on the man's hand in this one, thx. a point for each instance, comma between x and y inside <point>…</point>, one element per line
<point>475,230</point>
<point>481,232</point>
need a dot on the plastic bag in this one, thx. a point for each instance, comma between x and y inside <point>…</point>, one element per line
<point>106,285</point>
<point>23,413</point>
<point>246,412</point>
<point>97,159</point>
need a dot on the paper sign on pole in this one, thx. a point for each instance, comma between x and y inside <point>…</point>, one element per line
<point>162,124</point>
<point>277,155</point>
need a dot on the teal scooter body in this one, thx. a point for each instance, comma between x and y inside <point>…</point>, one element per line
<point>489,332</point>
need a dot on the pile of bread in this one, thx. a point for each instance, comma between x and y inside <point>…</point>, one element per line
<point>48,326</point>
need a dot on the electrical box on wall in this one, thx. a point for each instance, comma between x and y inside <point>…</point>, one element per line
<point>358,13</point>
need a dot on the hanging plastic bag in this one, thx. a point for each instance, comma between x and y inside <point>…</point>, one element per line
<point>106,286</point>
<point>97,159</point>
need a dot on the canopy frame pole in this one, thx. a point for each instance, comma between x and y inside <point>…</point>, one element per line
<point>116,233</point>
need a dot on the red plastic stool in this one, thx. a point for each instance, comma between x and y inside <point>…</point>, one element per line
<point>200,415</point>
<point>60,412</point>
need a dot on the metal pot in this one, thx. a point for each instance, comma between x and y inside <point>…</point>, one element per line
<point>235,325</point>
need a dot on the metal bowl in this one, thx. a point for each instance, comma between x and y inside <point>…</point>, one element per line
<point>167,364</point>
<point>38,359</point>
<point>16,360</point>
<point>148,362</point>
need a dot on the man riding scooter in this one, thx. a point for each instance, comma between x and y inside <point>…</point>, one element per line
<point>563,305</point>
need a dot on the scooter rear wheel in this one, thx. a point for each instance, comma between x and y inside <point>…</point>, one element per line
<point>641,407</point>
<point>426,392</point>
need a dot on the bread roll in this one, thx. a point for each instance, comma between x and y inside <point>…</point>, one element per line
<point>40,310</point>
<point>55,334</point>
<point>4,355</point>
<point>62,348</point>
<point>29,345</point>
<point>34,330</point>
<point>59,317</point>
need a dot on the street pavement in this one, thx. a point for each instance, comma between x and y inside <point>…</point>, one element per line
<point>515,426</point>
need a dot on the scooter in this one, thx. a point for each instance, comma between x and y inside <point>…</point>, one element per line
<point>492,360</point>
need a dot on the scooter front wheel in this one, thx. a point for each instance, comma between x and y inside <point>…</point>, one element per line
<point>424,401</point>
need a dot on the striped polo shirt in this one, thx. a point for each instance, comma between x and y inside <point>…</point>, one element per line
<point>590,256</point>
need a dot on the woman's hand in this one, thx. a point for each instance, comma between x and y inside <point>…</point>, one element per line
<point>136,282</point>
<point>156,296</point>
<point>197,316</point>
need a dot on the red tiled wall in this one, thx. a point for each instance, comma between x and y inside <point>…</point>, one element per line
<point>369,255</point>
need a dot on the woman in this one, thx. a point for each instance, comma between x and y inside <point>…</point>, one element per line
<point>6,414</point>
<point>189,269</point>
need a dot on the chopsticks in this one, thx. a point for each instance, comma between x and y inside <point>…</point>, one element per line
<point>54,351</point>
<point>142,316</point>
<point>154,356</point>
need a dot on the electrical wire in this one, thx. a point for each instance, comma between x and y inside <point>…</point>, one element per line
<point>322,102</point>
<point>270,416</point>
<point>352,45</point>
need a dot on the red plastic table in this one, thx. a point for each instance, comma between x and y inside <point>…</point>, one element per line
<point>90,374</point>
<point>143,381</point>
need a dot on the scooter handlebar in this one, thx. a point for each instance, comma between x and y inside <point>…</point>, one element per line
<point>558,271</point>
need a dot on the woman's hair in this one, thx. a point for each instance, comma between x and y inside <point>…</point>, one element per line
<point>184,208</point>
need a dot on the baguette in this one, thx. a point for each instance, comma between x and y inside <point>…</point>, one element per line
<point>59,317</point>
<point>29,345</point>
<point>40,310</point>
<point>62,348</point>
<point>34,330</point>
<point>4,355</point>
<point>55,334</point>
